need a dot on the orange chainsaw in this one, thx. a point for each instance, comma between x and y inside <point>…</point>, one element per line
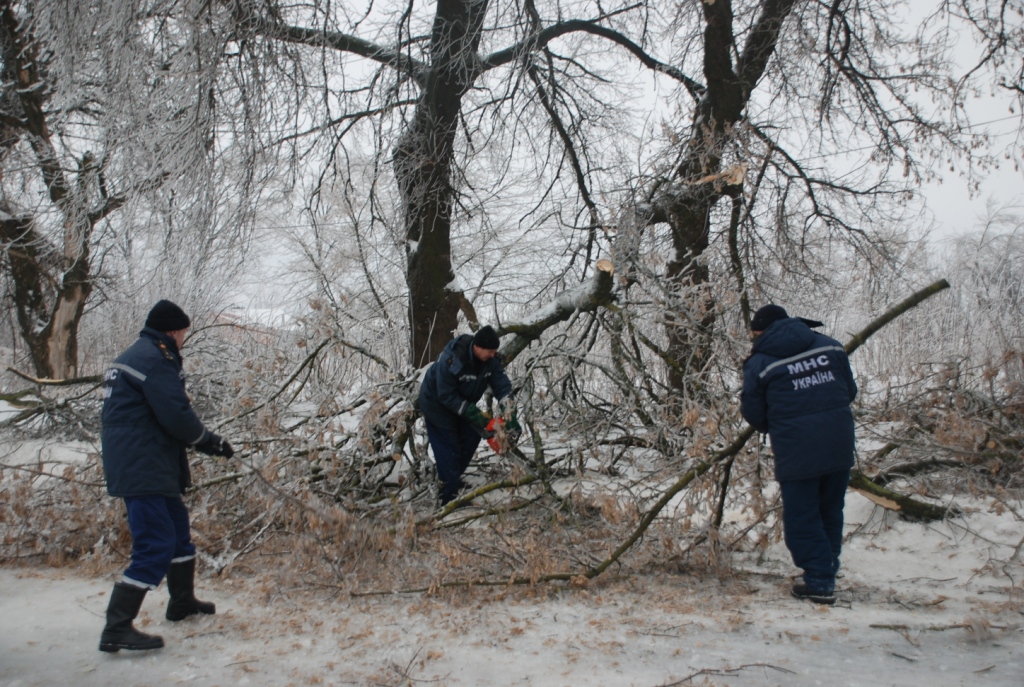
<point>500,438</point>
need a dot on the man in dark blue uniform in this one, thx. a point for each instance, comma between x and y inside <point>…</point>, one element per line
<point>448,395</point>
<point>798,387</point>
<point>148,422</point>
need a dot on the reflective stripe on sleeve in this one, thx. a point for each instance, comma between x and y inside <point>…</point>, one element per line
<point>130,370</point>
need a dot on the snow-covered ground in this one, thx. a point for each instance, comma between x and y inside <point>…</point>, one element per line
<point>934,605</point>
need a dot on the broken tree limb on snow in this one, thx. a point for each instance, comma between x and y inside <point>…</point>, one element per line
<point>738,443</point>
<point>732,449</point>
<point>582,577</point>
<point>467,499</point>
<point>893,472</point>
<point>891,500</point>
<point>588,296</point>
<point>18,398</point>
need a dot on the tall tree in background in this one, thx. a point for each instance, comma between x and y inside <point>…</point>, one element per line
<point>795,97</point>
<point>836,112</point>
<point>431,75</point>
<point>47,246</point>
<point>763,91</point>
<point>100,104</point>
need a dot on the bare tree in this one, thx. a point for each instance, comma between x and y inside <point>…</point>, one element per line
<point>814,123</point>
<point>109,155</point>
<point>47,248</point>
<point>434,110</point>
<point>999,28</point>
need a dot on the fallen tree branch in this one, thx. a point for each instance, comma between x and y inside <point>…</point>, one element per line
<point>892,313</point>
<point>42,381</point>
<point>466,499</point>
<point>580,578</point>
<point>734,448</point>
<point>660,504</point>
<point>43,473</point>
<point>309,359</point>
<point>725,671</point>
<point>937,628</point>
<point>587,297</point>
<point>891,500</point>
<point>910,469</point>
<point>17,398</point>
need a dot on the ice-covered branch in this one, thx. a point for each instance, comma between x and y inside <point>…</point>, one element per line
<point>587,297</point>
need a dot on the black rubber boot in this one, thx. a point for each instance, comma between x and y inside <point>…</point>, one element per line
<point>125,602</point>
<point>181,585</point>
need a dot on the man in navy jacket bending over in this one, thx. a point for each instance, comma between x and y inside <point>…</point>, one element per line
<point>797,387</point>
<point>148,422</point>
<point>448,395</point>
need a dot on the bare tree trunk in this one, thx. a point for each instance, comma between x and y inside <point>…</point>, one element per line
<point>51,283</point>
<point>29,281</point>
<point>700,182</point>
<point>423,164</point>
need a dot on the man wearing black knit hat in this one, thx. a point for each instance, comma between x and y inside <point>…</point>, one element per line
<point>148,422</point>
<point>448,395</point>
<point>798,387</point>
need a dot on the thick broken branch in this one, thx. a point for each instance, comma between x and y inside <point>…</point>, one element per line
<point>587,297</point>
<point>892,313</point>
<point>92,379</point>
<point>909,507</point>
<point>889,499</point>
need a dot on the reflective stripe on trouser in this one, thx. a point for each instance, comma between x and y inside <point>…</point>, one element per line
<point>160,533</point>
<point>812,521</point>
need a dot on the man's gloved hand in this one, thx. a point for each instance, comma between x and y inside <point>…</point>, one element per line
<point>512,425</point>
<point>476,416</point>
<point>215,445</point>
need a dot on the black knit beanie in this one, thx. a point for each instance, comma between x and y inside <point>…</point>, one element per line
<point>487,338</point>
<point>765,316</point>
<point>167,317</point>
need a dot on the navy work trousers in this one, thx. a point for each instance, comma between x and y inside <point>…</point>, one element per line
<point>160,535</point>
<point>812,521</point>
<point>452,452</point>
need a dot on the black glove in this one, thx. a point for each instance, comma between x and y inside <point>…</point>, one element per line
<point>215,445</point>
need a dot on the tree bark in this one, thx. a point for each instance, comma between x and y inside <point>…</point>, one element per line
<point>423,163</point>
<point>50,285</point>
<point>909,508</point>
<point>699,183</point>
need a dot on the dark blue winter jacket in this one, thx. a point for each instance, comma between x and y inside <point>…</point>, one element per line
<point>456,380</point>
<point>148,420</point>
<point>797,387</point>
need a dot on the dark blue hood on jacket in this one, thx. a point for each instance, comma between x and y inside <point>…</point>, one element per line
<point>784,338</point>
